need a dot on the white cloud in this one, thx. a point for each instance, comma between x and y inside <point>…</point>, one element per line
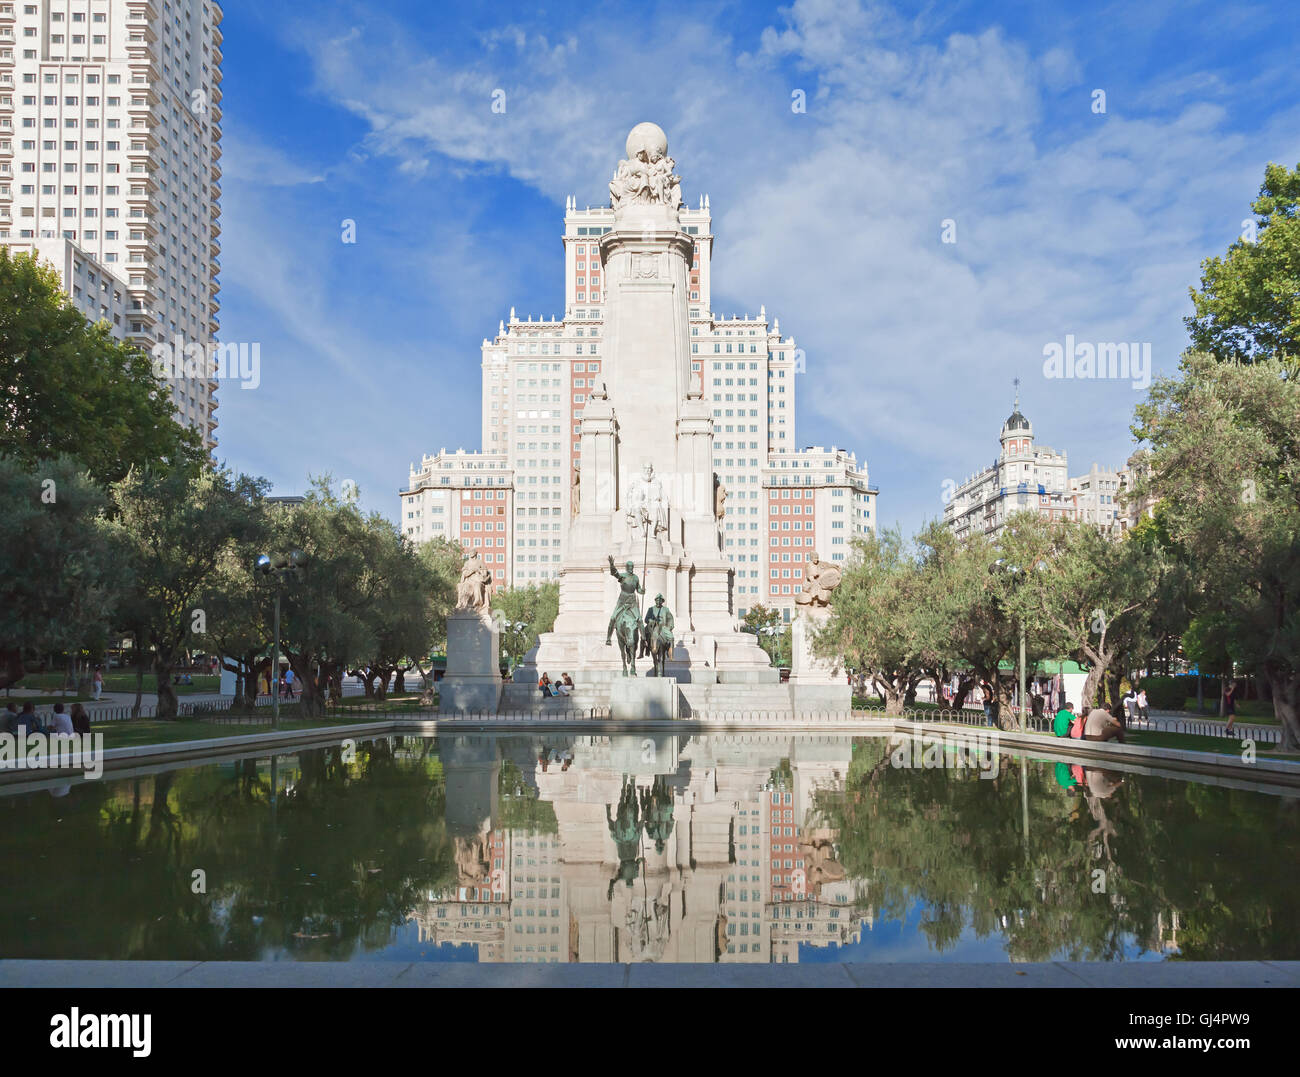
<point>1094,226</point>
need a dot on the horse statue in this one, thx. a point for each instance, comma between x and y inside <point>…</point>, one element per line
<point>625,622</point>
<point>657,639</point>
<point>625,829</point>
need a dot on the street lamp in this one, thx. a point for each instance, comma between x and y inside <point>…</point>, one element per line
<point>513,626</point>
<point>770,631</point>
<point>279,567</point>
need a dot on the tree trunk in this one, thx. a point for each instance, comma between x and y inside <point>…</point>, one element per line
<point>139,687</point>
<point>12,669</point>
<point>1285,686</point>
<point>167,702</point>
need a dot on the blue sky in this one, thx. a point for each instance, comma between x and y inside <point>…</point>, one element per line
<point>1067,221</point>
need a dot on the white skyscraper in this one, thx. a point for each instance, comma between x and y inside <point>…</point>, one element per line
<point>780,504</point>
<point>110,137</point>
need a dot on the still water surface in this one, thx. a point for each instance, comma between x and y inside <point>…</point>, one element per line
<point>739,848</point>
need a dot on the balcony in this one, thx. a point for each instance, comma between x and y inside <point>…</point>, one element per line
<point>216,229</point>
<point>141,180</point>
<point>216,172</point>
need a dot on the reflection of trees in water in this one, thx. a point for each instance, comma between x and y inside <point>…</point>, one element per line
<point>1227,860</point>
<point>345,851</point>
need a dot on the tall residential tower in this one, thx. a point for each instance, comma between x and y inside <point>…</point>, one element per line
<point>110,141</point>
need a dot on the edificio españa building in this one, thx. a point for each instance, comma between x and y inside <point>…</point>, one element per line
<point>514,500</point>
<point>110,138</point>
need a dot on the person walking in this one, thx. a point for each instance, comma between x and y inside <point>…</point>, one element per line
<point>1230,703</point>
<point>288,681</point>
<point>98,682</point>
<point>1144,711</point>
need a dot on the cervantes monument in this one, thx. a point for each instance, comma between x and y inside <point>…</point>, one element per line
<point>648,493</point>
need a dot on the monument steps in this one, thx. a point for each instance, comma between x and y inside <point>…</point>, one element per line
<point>701,700</point>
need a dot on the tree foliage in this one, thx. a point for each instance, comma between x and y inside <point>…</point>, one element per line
<point>67,388</point>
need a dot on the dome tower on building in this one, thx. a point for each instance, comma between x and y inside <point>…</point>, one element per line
<point>1017,430</point>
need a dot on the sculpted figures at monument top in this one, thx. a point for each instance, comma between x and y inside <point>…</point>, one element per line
<point>646,176</point>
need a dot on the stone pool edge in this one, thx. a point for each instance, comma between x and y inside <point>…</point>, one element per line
<point>1280,775</point>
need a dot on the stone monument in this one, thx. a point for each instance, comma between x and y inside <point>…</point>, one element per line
<point>816,684</point>
<point>473,678</point>
<point>649,494</point>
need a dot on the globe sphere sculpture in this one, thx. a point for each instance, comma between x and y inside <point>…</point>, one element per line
<point>648,138</point>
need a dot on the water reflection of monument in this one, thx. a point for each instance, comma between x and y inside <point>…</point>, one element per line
<point>644,849</point>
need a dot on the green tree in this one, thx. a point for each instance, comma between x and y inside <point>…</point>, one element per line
<point>443,558</point>
<point>239,615</point>
<point>535,607</point>
<point>57,562</point>
<point>1248,305</point>
<point>879,623</point>
<point>68,388</point>
<point>772,631</point>
<point>176,527</point>
<point>401,615</point>
<point>1082,594</point>
<point>332,617</point>
<point>1225,461</point>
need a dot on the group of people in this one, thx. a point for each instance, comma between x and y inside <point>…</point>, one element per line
<point>1097,724</point>
<point>549,687</point>
<point>547,756</point>
<point>287,681</point>
<point>60,723</point>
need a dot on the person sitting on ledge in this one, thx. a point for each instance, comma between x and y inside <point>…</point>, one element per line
<point>80,719</point>
<point>1061,723</point>
<point>564,686</point>
<point>1102,725</point>
<point>29,720</point>
<point>60,723</point>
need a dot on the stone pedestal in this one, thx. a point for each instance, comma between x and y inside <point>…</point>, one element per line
<point>816,684</point>
<point>473,678</point>
<point>638,698</point>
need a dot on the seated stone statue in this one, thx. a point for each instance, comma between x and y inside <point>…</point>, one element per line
<point>819,580</point>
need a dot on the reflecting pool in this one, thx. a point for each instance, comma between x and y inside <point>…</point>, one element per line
<point>758,847</point>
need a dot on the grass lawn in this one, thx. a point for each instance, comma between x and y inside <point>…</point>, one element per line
<point>148,731</point>
<point>1256,710</point>
<point>118,682</point>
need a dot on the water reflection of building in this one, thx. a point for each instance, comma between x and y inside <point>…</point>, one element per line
<point>698,851</point>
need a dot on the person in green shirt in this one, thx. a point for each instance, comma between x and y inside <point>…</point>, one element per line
<point>1061,723</point>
